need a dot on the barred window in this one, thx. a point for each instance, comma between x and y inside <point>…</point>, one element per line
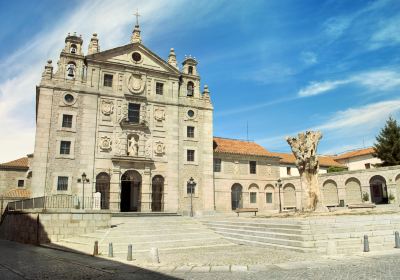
<point>268,197</point>
<point>160,88</point>
<point>67,121</point>
<point>253,197</point>
<point>191,189</point>
<point>217,165</point>
<point>21,183</point>
<point>108,80</point>
<point>62,183</point>
<point>253,167</point>
<point>65,147</point>
<point>133,112</point>
<point>190,132</point>
<point>190,155</point>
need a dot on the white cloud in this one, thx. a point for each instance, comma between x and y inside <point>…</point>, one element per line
<point>378,80</point>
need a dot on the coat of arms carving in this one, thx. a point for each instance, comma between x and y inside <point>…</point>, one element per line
<point>159,114</point>
<point>159,148</point>
<point>136,83</point>
<point>107,107</point>
<point>105,143</point>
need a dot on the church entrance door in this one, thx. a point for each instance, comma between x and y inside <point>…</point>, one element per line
<point>157,194</point>
<point>131,185</point>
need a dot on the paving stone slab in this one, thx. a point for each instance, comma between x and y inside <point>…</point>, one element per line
<point>201,269</point>
<point>220,268</point>
<point>241,268</point>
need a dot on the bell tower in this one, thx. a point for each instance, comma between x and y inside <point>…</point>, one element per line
<point>71,63</point>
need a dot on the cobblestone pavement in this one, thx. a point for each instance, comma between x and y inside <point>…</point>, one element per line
<point>18,261</point>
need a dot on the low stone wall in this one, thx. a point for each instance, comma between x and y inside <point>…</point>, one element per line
<point>36,227</point>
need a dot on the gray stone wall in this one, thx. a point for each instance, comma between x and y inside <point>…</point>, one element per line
<point>35,227</point>
<point>9,179</point>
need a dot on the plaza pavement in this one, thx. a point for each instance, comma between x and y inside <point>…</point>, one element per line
<point>19,261</point>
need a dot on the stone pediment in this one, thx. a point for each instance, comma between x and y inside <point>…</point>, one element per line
<point>134,55</point>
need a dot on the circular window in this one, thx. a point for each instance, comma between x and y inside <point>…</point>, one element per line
<point>136,57</point>
<point>69,98</point>
<point>190,113</point>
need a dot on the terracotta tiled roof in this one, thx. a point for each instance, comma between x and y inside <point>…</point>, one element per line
<point>355,153</point>
<point>325,161</point>
<point>17,193</point>
<point>233,146</point>
<point>21,163</point>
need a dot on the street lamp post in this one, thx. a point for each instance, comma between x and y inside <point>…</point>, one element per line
<point>191,184</point>
<point>279,185</point>
<point>83,180</point>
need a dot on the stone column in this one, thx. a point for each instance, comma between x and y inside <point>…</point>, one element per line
<point>115,190</point>
<point>146,190</point>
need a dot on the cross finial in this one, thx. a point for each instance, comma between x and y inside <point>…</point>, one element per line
<point>137,16</point>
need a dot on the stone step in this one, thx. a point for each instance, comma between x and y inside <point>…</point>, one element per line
<point>259,224</point>
<point>145,214</point>
<point>265,233</point>
<point>268,240</point>
<point>270,245</point>
<point>130,231</point>
<point>261,229</point>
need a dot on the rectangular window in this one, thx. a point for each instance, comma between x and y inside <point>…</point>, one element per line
<point>21,183</point>
<point>367,166</point>
<point>160,88</point>
<point>65,147</point>
<point>288,171</point>
<point>253,167</point>
<point>268,197</point>
<point>190,155</point>
<point>217,165</point>
<point>253,197</point>
<point>62,183</point>
<point>67,121</point>
<point>134,112</point>
<point>108,79</point>
<point>190,132</point>
<point>191,189</point>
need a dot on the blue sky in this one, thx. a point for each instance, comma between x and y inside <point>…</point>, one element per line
<point>280,66</point>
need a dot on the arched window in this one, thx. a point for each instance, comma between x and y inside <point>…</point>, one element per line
<point>71,67</point>
<point>190,89</point>
<point>190,70</point>
<point>73,48</point>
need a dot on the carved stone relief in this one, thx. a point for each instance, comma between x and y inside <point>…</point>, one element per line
<point>122,110</point>
<point>159,148</point>
<point>119,140</point>
<point>105,144</point>
<point>136,83</point>
<point>133,145</point>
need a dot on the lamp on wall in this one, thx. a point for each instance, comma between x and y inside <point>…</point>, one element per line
<point>84,180</point>
<point>191,186</point>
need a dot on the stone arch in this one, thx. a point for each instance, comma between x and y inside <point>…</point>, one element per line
<point>330,193</point>
<point>269,194</point>
<point>103,187</point>
<point>289,196</point>
<point>353,191</point>
<point>131,191</point>
<point>378,189</point>
<point>236,196</point>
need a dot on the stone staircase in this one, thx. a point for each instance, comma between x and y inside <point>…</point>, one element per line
<point>167,233</point>
<point>275,234</point>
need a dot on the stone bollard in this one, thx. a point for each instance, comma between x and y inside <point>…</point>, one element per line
<point>154,255</point>
<point>396,239</point>
<point>366,243</point>
<point>129,257</point>
<point>96,248</point>
<point>110,250</point>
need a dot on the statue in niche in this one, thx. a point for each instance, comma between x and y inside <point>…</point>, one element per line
<point>133,146</point>
<point>304,148</point>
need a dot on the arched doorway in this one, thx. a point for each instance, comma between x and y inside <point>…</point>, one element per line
<point>289,196</point>
<point>236,196</point>
<point>353,191</point>
<point>131,184</point>
<point>379,193</point>
<point>157,194</point>
<point>103,187</point>
<point>330,193</point>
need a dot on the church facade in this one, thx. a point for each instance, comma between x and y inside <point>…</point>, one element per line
<point>137,126</point>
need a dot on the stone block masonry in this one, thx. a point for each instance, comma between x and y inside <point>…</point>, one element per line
<point>35,227</point>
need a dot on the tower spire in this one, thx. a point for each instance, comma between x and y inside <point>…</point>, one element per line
<point>135,38</point>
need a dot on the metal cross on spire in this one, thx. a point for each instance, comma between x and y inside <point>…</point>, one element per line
<point>137,16</point>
